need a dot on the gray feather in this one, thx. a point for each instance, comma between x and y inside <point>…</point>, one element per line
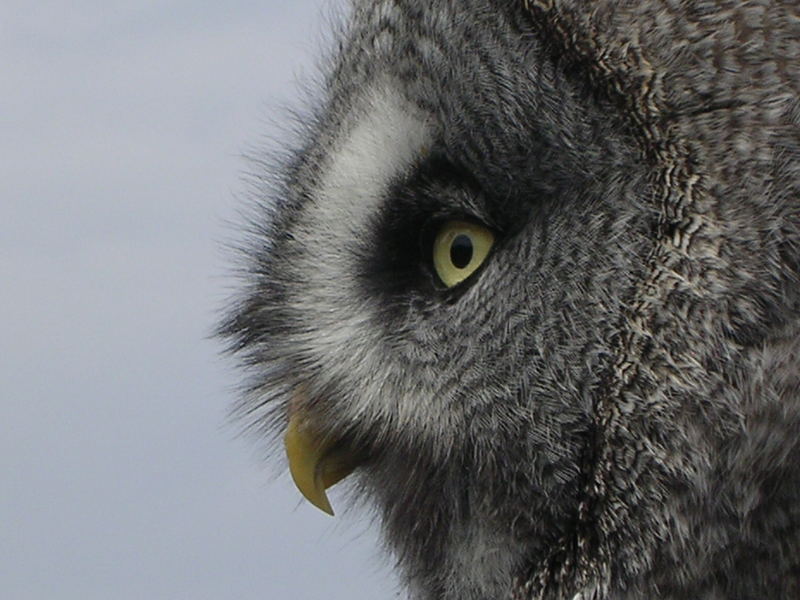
<point>609,409</point>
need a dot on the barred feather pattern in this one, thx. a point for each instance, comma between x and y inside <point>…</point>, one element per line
<point>609,408</point>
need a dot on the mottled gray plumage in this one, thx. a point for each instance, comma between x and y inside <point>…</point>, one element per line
<point>609,408</point>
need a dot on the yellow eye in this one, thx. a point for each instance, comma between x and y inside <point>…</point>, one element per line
<point>459,249</point>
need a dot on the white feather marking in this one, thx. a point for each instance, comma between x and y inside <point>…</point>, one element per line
<point>380,139</point>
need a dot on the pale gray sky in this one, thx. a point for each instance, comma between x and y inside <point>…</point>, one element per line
<point>121,129</point>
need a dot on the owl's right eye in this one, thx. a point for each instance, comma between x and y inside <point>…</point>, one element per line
<point>460,247</point>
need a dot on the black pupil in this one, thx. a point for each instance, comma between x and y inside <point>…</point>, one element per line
<point>461,251</point>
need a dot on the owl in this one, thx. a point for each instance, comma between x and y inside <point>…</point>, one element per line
<point>527,282</point>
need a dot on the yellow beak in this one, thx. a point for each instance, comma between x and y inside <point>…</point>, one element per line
<point>314,462</point>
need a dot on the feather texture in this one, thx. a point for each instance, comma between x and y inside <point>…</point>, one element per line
<point>609,407</point>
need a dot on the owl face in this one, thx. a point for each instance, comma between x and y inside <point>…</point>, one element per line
<point>448,252</point>
<point>447,293</point>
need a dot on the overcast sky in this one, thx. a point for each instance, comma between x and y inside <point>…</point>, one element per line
<point>122,125</point>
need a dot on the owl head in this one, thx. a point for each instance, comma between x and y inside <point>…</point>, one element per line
<point>528,283</point>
